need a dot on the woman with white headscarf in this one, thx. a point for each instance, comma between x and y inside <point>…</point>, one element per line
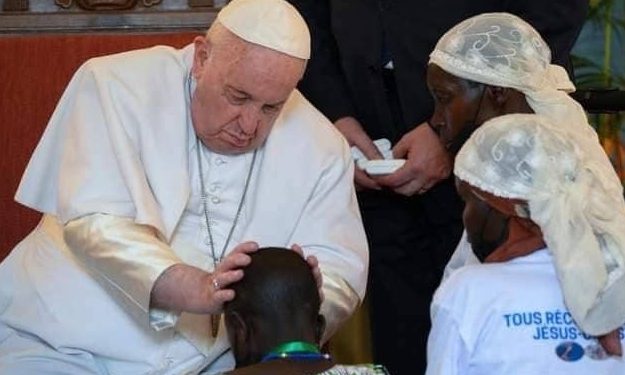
<point>552,238</point>
<point>495,64</point>
<point>508,58</point>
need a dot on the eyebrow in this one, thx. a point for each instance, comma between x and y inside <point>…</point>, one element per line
<point>238,92</point>
<point>447,86</point>
<point>248,95</point>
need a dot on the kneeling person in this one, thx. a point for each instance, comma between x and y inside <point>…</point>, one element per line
<point>550,292</point>
<point>273,323</point>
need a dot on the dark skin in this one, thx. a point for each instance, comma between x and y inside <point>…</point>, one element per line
<point>254,338</point>
<point>284,367</point>
<point>460,105</point>
<point>277,303</point>
<point>486,227</point>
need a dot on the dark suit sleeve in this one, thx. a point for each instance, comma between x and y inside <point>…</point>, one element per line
<point>558,21</point>
<point>324,83</point>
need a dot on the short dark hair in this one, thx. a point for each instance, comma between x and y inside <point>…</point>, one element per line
<point>277,286</point>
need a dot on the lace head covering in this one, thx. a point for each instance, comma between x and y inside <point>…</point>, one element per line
<point>500,49</point>
<point>523,156</point>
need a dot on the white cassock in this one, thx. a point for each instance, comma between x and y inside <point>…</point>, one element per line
<point>115,171</point>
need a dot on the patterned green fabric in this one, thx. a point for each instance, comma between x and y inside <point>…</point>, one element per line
<point>366,369</point>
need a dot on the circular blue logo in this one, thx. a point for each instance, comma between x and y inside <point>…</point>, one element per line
<point>569,351</point>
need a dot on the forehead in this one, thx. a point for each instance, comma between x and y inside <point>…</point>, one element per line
<point>255,67</point>
<point>437,77</point>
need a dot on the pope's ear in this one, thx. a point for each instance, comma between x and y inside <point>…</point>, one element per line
<point>202,48</point>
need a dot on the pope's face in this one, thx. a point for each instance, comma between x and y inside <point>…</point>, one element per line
<point>239,93</point>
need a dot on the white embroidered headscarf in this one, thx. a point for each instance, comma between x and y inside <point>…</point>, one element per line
<point>526,157</point>
<point>500,49</point>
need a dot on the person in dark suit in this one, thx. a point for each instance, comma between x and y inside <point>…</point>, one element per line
<point>367,75</point>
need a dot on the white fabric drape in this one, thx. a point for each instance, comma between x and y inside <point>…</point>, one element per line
<point>525,157</point>
<point>501,49</point>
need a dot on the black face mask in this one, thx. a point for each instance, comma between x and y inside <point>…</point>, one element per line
<point>467,129</point>
<point>483,248</point>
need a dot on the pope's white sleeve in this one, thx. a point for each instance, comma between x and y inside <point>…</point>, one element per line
<point>330,228</point>
<point>339,303</point>
<point>446,350</point>
<point>126,258</point>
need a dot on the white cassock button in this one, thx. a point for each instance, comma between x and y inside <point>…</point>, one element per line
<point>215,200</point>
<point>219,161</point>
<point>213,188</point>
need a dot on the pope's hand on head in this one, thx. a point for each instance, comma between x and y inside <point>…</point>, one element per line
<point>228,271</point>
<point>356,136</point>
<point>427,162</point>
<point>182,287</point>
<point>313,263</point>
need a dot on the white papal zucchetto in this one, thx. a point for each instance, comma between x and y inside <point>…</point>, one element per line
<point>274,24</point>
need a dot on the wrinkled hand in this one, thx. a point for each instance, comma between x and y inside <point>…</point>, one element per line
<point>356,136</point>
<point>427,162</point>
<point>228,271</point>
<point>182,287</point>
<point>314,265</point>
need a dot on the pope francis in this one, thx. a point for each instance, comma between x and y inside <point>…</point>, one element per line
<point>159,171</point>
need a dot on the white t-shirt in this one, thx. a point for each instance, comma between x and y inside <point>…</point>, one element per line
<point>510,318</point>
<point>462,256</point>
